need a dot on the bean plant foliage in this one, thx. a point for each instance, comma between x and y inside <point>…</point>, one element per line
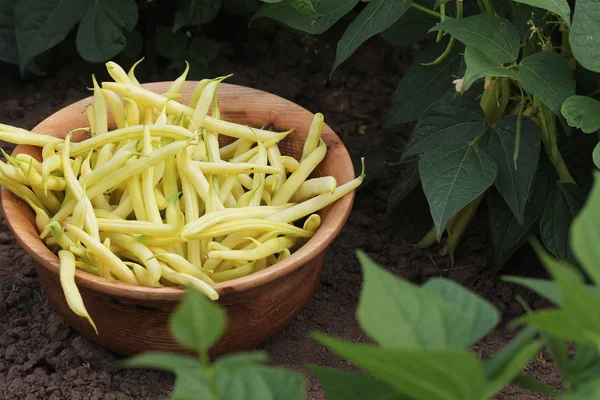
<point>501,93</point>
<point>421,338</point>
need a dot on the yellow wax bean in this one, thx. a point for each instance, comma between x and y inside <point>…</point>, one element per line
<point>125,207</point>
<point>118,225</point>
<point>294,181</point>
<point>228,150</point>
<point>254,224</point>
<point>189,280</point>
<point>134,188</point>
<point>274,154</point>
<point>180,264</point>
<point>289,163</point>
<point>30,138</point>
<point>314,187</point>
<point>100,111</point>
<point>177,84</point>
<point>261,251</point>
<point>132,112</point>
<point>312,223</point>
<point>222,127</point>
<point>116,266</point>
<point>149,200</point>
<point>225,168</point>
<point>116,106</point>
<point>91,117</point>
<point>131,73</point>
<point>233,273</point>
<point>192,213</point>
<point>49,165</point>
<point>67,282</point>
<point>197,92</point>
<point>117,73</point>
<point>141,252</point>
<point>314,136</point>
<point>23,192</point>
<point>50,200</point>
<point>109,166</point>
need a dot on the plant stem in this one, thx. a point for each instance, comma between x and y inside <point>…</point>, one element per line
<point>428,11</point>
<point>488,6</point>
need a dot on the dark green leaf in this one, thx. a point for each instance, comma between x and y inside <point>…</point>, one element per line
<point>559,7</point>
<point>578,157</point>
<point>169,44</point>
<point>588,391</point>
<point>422,85</point>
<point>587,81</point>
<point>202,48</point>
<point>530,383</point>
<point>522,14</point>
<point>507,233</point>
<point>545,288</point>
<point>422,374</point>
<point>195,12</point>
<point>480,65</point>
<point>514,183</point>
<point>562,206</point>
<point>548,76</point>
<point>585,234</point>
<point>41,25</point>
<point>305,7</point>
<point>162,361</point>
<point>454,118</point>
<point>236,360</point>
<point>376,17</point>
<point>411,27</point>
<point>407,180</point>
<point>197,322</point>
<point>330,10</point>
<point>343,385</point>
<point>397,313</point>
<point>480,315</point>
<point>134,45</point>
<point>582,112</point>
<point>252,382</point>
<point>492,34</point>
<point>452,177</point>
<point>495,365</point>
<point>100,34</point>
<point>8,41</point>
<point>191,384</point>
<point>584,37</point>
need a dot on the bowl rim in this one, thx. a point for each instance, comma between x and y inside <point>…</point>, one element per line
<point>338,215</point>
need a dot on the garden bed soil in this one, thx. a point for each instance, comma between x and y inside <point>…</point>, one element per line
<point>42,358</point>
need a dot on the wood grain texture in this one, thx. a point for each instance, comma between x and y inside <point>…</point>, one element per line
<point>132,319</point>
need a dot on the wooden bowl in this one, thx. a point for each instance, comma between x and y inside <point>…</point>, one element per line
<point>132,319</point>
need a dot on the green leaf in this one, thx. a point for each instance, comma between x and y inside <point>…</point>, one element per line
<point>454,118</point>
<point>330,10</point>
<point>558,7</point>
<point>162,361</point>
<point>422,85</point>
<point>41,25</point>
<point>545,288</point>
<point>411,27</point>
<point>236,360</point>
<point>397,313</point>
<point>530,383</point>
<point>452,177</point>
<point>548,76</point>
<point>479,315</point>
<point>489,33</point>
<point>585,234</point>
<point>407,180</point>
<point>562,206</point>
<point>197,322</point>
<point>584,37</point>
<point>305,7</point>
<point>202,48</point>
<point>422,374</point>
<point>376,17</point>
<point>8,42</point>
<point>504,366</point>
<point>507,233</point>
<point>169,44</point>
<point>343,385</point>
<point>100,34</point>
<point>585,365</point>
<point>195,12</point>
<point>596,155</point>
<point>250,382</point>
<point>480,65</point>
<point>191,384</point>
<point>514,183</point>
<point>590,390</point>
<point>582,112</point>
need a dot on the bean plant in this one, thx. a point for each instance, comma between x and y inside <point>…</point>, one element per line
<point>504,96</point>
<point>421,338</point>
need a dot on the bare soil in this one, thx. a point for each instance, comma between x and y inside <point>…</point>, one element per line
<point>42,358</point>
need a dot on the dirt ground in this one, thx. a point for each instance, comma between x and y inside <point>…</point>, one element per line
<point>42,358</point>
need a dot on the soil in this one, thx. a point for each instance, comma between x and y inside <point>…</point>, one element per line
<point>42,358</point>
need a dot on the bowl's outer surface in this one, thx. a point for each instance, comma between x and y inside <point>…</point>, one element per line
<point>132,319</point>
